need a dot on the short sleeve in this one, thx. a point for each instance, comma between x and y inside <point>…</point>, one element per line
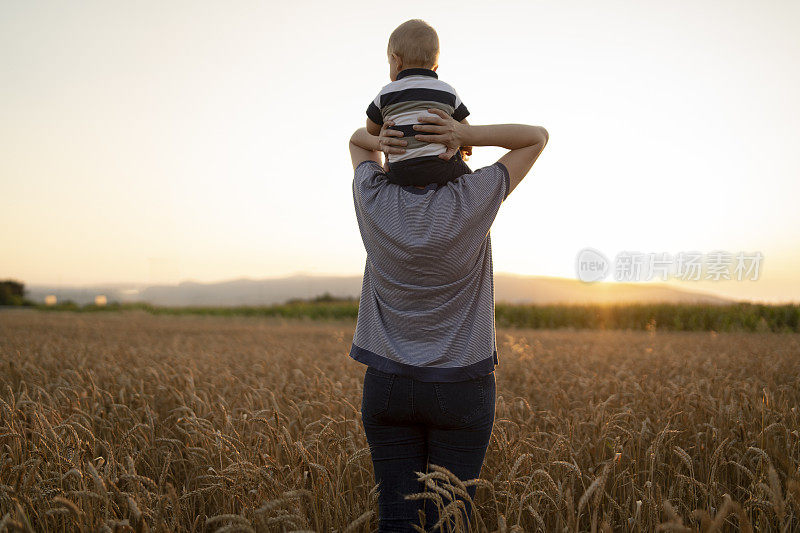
<point>368,177</point>
<point>460,112</point>
<point>374,111</point>
<point>479,196</point>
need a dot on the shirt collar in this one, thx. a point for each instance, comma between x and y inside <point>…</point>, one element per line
<point>416,72</point>
<point>412,189</point>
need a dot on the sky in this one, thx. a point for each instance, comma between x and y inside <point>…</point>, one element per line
<point>155,142</point>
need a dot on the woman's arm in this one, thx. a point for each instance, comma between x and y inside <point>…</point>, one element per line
<point>466,151</point>
<point>524,142</point>
<point>366,147</point>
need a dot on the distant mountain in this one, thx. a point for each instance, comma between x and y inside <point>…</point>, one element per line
<point>508,288</point>
<point>511,288</point>
<point>251,292</point>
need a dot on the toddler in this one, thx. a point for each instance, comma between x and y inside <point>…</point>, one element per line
<point>413,53</point>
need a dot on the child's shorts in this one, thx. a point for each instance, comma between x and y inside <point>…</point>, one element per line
<point>423,171</point>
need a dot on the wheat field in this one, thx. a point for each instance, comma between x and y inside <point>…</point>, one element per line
<point>133,422</point>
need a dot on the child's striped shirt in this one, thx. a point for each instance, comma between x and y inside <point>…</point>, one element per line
<point>414,92</point>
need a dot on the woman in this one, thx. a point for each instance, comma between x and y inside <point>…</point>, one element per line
<point>425,325</point>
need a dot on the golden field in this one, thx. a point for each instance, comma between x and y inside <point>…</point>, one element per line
<point>132,422</point>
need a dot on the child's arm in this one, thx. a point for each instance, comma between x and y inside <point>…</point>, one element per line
<point>372,128</point>
<point>374,116</point>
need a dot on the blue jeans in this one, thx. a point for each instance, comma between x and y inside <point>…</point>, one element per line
<point>410,424</point>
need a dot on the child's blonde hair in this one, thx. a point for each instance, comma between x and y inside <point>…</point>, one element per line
<point>416,42</point>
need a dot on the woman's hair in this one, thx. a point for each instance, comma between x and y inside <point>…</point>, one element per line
<point>416,42</point>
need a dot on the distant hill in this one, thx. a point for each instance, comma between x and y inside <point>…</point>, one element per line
<point>508,288</point>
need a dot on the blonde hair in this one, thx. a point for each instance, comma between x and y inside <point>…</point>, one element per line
<point>416,42</point>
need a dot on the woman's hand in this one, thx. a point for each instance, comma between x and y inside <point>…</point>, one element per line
<point>444,129</point>
<point>388,142</point>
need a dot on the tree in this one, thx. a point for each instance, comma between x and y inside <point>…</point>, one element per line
<point>12,292</point>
